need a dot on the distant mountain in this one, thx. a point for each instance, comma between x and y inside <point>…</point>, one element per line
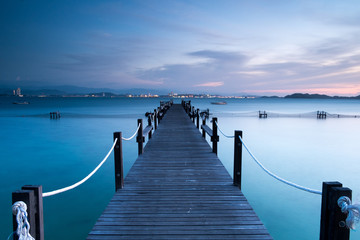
<point>84,90</point>
<point>306,95</point>
<point>48,92</point>
<point>69,89</point>
<point>318,96</point>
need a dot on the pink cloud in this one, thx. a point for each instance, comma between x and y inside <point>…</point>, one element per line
<point>210,84</point>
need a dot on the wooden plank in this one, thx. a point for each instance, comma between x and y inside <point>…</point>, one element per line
<point>178,189</point>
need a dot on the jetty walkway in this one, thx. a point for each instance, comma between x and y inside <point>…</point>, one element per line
<point>178,189</point>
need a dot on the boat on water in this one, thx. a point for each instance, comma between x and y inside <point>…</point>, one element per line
<point>219,103</point>
<point>21,103</point>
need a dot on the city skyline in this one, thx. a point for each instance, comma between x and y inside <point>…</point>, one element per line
<point>228,47</point>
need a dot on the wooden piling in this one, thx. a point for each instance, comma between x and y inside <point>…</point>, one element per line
<point>32,197</point>
<point>237,158</point>
<point>118,161</point>
<point>155,119</point>
<point>203,131</point>
<point>215,136</point>
<point>140,139</point>
<point>197,119</point>
<point>332,226</point>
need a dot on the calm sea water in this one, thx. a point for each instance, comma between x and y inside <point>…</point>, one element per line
<point>57,153</point>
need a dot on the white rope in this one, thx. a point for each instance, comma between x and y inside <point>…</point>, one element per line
<point>222,131</point>
<point>19,209</point>
<point>84,180</point>
<point>127,139</point>
<point>353,211</point>
<point>277,177</point>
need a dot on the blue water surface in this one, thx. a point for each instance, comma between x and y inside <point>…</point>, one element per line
<point>57,153</point>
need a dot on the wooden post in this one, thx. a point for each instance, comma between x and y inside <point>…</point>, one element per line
<point>197,119</point>
<point>237,158</point>
<point>39,212</point>
<point>140,139</point>
<point>332,224</point>
<point>155,119</point>
<point>158,115</point>
<point>149,124</point>
<point>203,131</point>
<point>118,160</point>
<point>215,136</point>
<point>193,114</point>
<point>32,197</point>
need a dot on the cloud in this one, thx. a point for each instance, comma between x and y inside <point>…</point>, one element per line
<point>209,84</point>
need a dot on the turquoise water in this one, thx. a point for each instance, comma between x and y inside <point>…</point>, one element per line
<point>57,153</point>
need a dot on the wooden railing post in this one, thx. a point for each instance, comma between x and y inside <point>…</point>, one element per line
<point>332,226</point>
<point>155,119</point>
<point>203,131</point>
<point>197,119</point>
<point>193,114</point>
<point>237,158</point>
<point>118,160</point>
<point>32,197</point>
<point>140,139</point>
<point>149,124</point>
<point>215,136</point>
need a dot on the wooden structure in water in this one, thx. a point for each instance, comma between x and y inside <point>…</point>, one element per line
<point>178,189</point>
<point>262,114</point>
<point>321,115</point>
<point>55,115</point>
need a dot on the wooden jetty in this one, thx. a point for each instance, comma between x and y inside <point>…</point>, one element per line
<point>178,189</point>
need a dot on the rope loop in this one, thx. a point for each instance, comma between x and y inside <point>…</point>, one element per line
<point>128,139</point>
<point>23,230</point>
<point>352,211</point>
<point>228,136</point>
<point>276,176</point>
<point>47,194</point>
<point>269,172</point>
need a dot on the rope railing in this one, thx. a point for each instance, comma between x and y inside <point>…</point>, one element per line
<point>47,194</point>
<point>128,139</point>
<point>23,227</point>
<point>32,195</point>
<point>276,176</point>
<point>352,211</point>
<point>228,136</point>
<point>268,171</point>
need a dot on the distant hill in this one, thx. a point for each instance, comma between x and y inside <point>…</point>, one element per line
<point>74,90</point>
<point>317,96</point>
<point>306,95</point>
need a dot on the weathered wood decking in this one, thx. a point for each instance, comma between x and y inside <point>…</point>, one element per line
<point>178,189</point>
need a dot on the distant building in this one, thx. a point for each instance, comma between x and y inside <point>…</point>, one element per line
<point>18,92</point>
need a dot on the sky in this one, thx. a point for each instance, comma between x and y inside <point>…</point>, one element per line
<point>228,47</point>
